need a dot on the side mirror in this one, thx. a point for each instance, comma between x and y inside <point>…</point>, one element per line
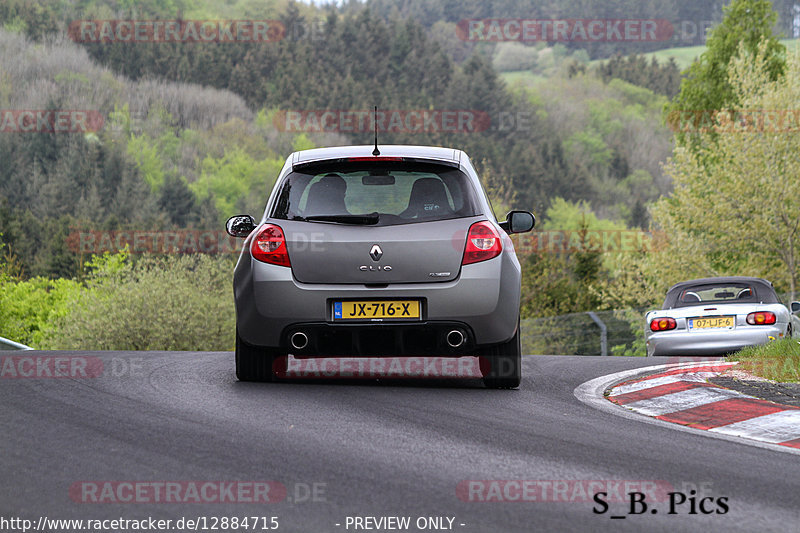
<point>518,222</point>
<point>240,225</point>
<point>795,307</point>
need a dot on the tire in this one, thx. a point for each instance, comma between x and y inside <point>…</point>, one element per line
<point>503,364</point>
<point>257,364</point>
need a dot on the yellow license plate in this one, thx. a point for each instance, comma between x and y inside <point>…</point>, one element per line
<point>712,322</point>
<point>376,310</point>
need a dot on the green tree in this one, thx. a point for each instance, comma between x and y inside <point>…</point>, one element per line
<point>661,79</point>
<point>151,304</point>
<point>558,281</point>
<point>29,308</point>
<point>739,213</point>
<point>177,200</point>
<point>706,87</point>
<point>237,182</point>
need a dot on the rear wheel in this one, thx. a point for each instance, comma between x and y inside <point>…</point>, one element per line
<point>502,364</point>
<point>257,364</point>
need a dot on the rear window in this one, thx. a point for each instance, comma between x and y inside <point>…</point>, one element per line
<point>391,192</point>
<point>722,293</point>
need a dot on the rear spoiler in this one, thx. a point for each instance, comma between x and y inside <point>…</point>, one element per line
<point>374,159</point>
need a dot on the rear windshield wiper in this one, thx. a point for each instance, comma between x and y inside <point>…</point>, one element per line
<point>362,220</point>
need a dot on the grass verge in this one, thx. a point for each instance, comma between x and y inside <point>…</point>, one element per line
<point>778,360</point>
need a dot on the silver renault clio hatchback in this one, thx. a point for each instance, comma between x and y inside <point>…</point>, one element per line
<point>378,252</point>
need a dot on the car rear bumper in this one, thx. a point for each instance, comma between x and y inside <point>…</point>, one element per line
<point>682,342</point>
<point>483,300</point>
<point>375,340</point>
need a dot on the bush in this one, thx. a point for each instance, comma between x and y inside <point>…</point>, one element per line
<point>155,303</point>
<point>778,360</point>
<point>512,56</point>
<point>29,308</point>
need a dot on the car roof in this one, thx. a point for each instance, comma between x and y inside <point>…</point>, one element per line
<point>721,279</point>
<point>390,150</point>
<point>764,289</point>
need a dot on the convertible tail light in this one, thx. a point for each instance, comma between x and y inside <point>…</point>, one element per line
<point>663,324</point>
<point>761,318</point>
<point>269,246</point>
<point>483,242</point>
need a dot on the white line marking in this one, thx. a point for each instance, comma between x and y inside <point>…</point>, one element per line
<point>775,427</point>
<point>591,394</point>
<point>679,401</point>
<point>698,377</point>
<point>646,384</point>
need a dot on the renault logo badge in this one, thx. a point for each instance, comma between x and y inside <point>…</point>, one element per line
<point>376,253</point>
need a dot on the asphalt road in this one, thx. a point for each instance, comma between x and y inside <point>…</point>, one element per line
<point>370,449</point>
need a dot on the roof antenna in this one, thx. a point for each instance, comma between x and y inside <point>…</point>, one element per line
<point>376,152</point>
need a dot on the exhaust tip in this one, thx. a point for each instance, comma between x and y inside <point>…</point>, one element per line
<point>299,340</point>
<point>456,338</point>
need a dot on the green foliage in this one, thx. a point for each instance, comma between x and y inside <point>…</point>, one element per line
<point>590,275</point>
<point>560,282</point>
<point>171,303</point>
<point>156,161</point>
<point>145,153</point>
<point>513,56</point>
<point>35,18</point>
<point>589,146</point>
<point>179,153</point>
<point>578,334</point>
<point>706,87</point>
<point>735,205</point>
<point>178,201</point>
<point>601,128</point>
<point>302,142</point>
<point>575,216</point>
<point>120,119</point>
<point>28,309</point>
<point>235,177</point>
<point>661,79</point>
<point>133,173</point>
<point>395,66</point>
<point>433,12</point>
<point>778,360</point>
<point>636,346</point>
<point>551,286</point>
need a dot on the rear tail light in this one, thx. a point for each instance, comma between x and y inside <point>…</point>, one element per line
<point>269,246</point>
<point>483,242</point>
<point>663,324</point>
<point>761,318</point>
